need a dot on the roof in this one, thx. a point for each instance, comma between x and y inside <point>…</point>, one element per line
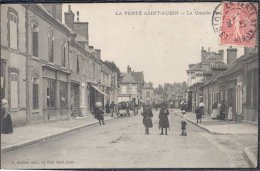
<point>139,77</point>
<point>127,78</point>
<point>196,67</point>
<point>234,66</point>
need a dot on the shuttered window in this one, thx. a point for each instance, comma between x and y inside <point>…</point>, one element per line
<point>35,92</point>
<point>13,30</point>
<point>14,90</point>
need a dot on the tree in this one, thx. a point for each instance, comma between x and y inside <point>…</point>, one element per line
<point>114,67</point>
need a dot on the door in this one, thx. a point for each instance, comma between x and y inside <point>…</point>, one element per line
<point>232,101</point>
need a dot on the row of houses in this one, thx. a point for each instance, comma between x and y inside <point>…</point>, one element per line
<point>234,82</point>
<point>48,68</point>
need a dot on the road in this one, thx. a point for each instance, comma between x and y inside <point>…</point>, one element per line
<point>121,143</point>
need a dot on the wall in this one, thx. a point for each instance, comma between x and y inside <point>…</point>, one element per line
<point>15,62</point>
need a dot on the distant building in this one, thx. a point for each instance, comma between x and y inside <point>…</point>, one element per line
<point>131,86</point>
<point>148,93</point>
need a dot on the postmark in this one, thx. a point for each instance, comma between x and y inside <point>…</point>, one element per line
<point>239,24</point>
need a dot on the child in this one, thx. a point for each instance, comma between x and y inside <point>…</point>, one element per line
<point>183,124</point>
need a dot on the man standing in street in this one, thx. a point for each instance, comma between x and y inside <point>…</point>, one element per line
<point>112,108</point>
<point>163,119</point>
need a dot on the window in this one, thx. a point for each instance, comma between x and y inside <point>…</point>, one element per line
<point>3,64</point>
<point>63,53</point>
<point>14,90</point>
<point>35,30</point>
<point>51,93</point>
<point>50,45</point>
<point>148,93</point>
<point>13,29</point>
<point>63,94</point>
<point>35,93</point>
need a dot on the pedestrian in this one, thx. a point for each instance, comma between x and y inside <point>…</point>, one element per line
<point>135,108</point>
<point>230,113</point>
<point>128,109</point>
<point>183,124</point>
<point>214,113</point>
<point>7,124</point>
<point>222,111</point>
<point>198,114</point>
<point>107,108</point>
<point>147,121</point>
<point>201,105</point>
<point>99,113</point>
<point>112,108</point>
<point>163,119</point>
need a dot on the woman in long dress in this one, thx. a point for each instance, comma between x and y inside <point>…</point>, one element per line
<point>230,113</point>
<point>163,119</point>
<point>147,121</point>
<point>214,113</point>
<point>7,124</point>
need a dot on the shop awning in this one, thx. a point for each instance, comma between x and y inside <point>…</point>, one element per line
<point>96,88</point>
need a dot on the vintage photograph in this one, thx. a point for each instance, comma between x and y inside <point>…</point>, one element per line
<point>129,85</point>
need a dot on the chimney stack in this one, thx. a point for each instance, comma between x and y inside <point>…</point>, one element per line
<point>231,55</point>
<point>69,18</point>
<point>77,16</point>
<point>129,69</point>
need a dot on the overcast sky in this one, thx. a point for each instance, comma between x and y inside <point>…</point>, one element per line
<point>161,46</point>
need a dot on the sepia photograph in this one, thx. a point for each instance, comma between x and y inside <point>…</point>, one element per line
<point>129,85</point>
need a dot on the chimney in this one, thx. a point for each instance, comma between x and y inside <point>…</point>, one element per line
<point>231,55</point>
<point>220,55</point>
<point>208,49</point>
<point>128,69</point>
<point>98,53</point>
<point>203,54</point>
<point>69,18</point>
<point>77,16</point>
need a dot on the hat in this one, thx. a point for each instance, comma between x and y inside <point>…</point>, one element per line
<point>99,104</point>
<point>4,102</point>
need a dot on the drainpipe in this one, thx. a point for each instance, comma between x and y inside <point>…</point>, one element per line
<point>28,111</point>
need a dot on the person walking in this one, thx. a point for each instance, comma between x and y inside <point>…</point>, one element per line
<point>201,105</point>
<point>230,113</point>
<point>99,113</point>
<point>183,124</point>
<point>147,121</point>
<point>112,108</point>
<point>7,124</point>
<point>163,119</point>
<point>198,114</point>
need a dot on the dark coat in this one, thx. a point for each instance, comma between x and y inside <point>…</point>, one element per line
<point>147,121</point>
<point>99,114</point>
<point>163,118</point>
<point>107,108</point>
<point>7,124</point>
<point>198,113</point>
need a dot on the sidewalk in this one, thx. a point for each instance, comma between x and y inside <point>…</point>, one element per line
<point>219,126</point>
<point>35,133</point>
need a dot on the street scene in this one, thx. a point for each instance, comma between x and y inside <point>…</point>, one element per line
<point>88,86</point>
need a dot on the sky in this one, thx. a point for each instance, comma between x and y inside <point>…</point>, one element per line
<point>160,45</point>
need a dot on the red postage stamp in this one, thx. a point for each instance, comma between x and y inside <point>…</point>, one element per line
<point>239,24</point>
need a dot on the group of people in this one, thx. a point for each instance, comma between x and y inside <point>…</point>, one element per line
<point>163,120</point>
<point>219,111</point>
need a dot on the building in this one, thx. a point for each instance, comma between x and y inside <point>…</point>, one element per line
<point>131,86</point>
<point>148,93</point>
<point>48,69</point>
<point>200,73</point>
<point>128,88</point>
<point>14,51</point>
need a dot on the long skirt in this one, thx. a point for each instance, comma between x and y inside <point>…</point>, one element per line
<point>7,125</point>
<point>214,114</point>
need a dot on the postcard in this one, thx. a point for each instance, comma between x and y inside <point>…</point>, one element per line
<point>129,85</point>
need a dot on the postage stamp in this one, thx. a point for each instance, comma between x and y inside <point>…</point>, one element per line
<point>239,21</point>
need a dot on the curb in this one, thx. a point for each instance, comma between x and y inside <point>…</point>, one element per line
<point>250,157</point>
<point>48,137</point>
<point>203,127</point>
